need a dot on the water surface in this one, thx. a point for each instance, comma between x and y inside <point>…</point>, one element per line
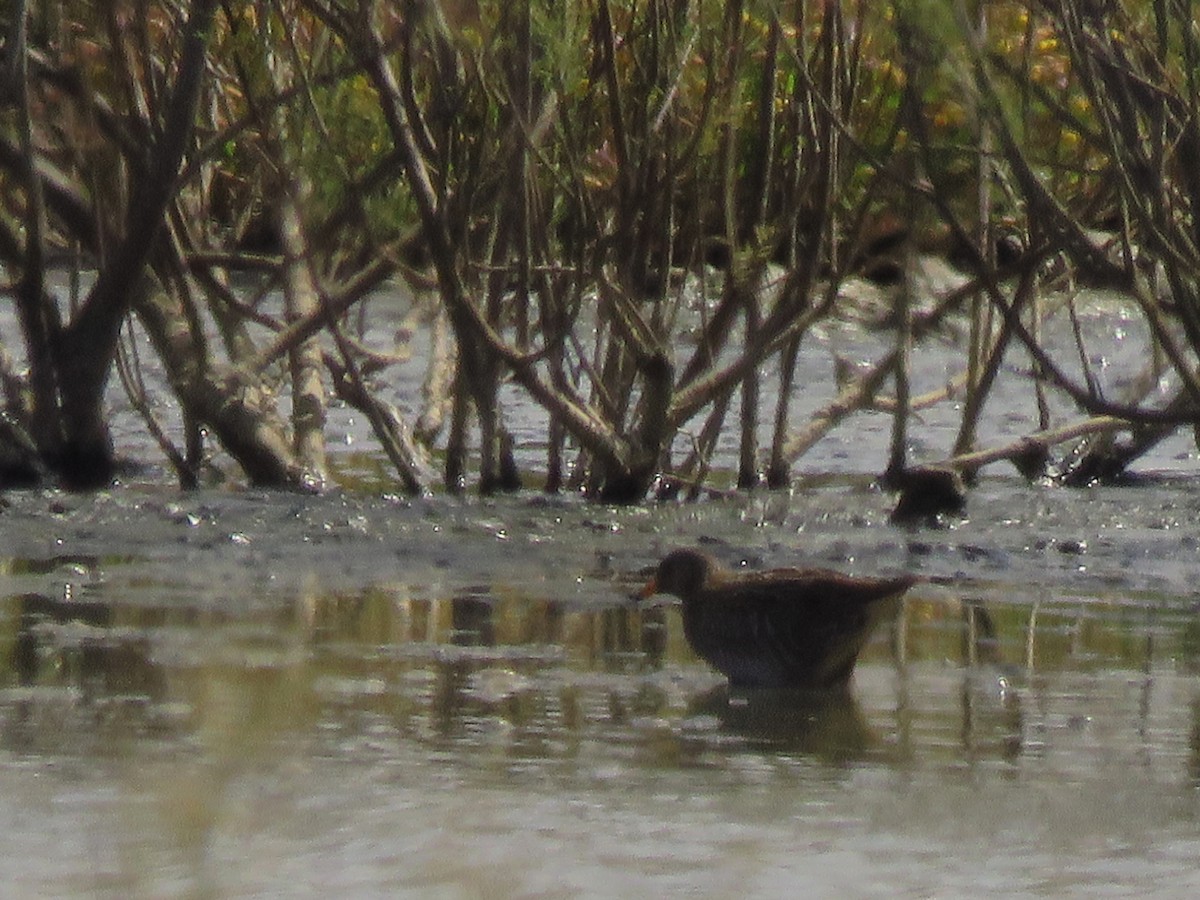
<point>245,694</point>
<point>236,693</point>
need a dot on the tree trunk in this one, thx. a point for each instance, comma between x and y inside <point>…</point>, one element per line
<point>304,359</point>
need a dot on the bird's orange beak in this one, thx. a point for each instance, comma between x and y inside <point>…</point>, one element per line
<point>649,590</point>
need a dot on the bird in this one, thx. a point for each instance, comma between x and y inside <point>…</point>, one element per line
<point>779,628</point>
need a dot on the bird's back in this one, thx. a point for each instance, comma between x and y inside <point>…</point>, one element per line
<point>789,628</point>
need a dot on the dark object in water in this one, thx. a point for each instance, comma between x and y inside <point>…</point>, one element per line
<point>927,492</point>
<point>793,628</point>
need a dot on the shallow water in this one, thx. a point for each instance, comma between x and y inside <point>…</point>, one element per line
<point>249,694</point>
<point>235,693</point>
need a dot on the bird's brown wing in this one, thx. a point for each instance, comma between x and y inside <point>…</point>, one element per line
<point>805,582</point>
<point>810,624</point>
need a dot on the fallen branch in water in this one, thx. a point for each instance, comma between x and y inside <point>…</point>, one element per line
<point>1031,449</point>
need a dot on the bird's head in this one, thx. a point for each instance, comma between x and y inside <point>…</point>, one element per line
<point>682,573</point>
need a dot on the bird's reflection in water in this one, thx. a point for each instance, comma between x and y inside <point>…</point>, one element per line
<point>828,725</point>
<point>832,726</point>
